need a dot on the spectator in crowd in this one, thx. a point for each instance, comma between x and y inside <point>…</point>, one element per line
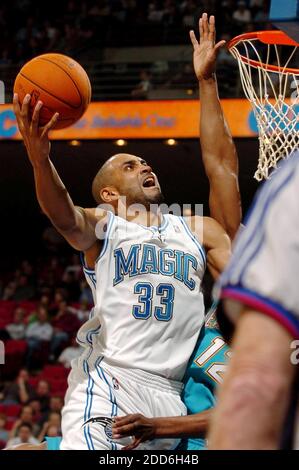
<point>86,294</point>
<point>3,431</point>
<point>26,417</point>
<point>16,329</point>
<point>82,312</point>
<point>70,353</point>
<point>9,290</point>
<point>65,325</point>
<point>143,87</point>
<point>155,12</point>
<point>37,333</point>
<point>43,395</point>
<point>71,285</point>
<point>23,436</point>
<point>55,406</point>
<point>19,391</point>
<point>242,14</point>
<point>36,410</point>
<point>24,290</point>
<point>74,267</point>
<point>53,421</point>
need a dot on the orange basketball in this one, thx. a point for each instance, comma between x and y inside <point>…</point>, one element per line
<point>60,83</point>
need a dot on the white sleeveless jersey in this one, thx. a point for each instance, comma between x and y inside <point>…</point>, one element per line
<point>149,306</point>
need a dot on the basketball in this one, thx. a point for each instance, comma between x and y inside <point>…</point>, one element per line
<point>60,83</point>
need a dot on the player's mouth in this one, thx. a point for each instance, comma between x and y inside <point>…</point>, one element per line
<point>149,182</point>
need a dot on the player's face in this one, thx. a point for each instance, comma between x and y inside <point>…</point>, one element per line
<point>136,181</point>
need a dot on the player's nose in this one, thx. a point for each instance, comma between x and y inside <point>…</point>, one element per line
<point>146,169</point>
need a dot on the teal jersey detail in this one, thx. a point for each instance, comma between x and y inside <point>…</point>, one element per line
<point>206,367</point>
<point>53,443</point>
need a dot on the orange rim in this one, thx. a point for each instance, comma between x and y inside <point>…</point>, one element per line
<point>266,37</point>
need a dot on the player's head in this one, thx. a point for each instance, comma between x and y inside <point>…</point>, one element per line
<point>126,175</point>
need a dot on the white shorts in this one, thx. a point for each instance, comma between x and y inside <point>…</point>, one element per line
<point>97,392</point>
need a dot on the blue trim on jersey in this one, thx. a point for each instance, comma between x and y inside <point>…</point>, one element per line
<point>251,239</point>
<point>88,406</point>
<point>107,235</point>
<point>83,262</point>
<point>154,228</point>
<point>103,377</point>
<point>195,241</point>
<point>88,271</point>
<point>90,333</point>
<point>264,305</point>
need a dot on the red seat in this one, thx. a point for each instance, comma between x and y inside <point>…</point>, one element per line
<point>54,371</point>
<point>8,305</point>
<point>11,410</point>
<point>58,386</point>
<point>28,305</point>
<point>15,346</point>
<point>33,381</point>
<point>9,424</point>
<point>2,445</point>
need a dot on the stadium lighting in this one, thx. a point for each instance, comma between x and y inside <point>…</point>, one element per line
<point>171,142</point>
<point>120,142</point>
<point>75,143</point>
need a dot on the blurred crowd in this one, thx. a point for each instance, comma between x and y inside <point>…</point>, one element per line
<point>44,303</point>
<point>27,28</point>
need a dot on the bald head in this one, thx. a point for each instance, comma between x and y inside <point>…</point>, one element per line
<point>107,174</point>
<point>125,175</point>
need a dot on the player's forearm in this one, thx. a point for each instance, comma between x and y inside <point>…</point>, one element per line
<point>253,399</point>
<point>53,197</point>
<point>219,159</point>
<point>182,426</point>
<point>215,137</point>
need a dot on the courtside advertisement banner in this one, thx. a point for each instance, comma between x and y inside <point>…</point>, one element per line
<point>141,120</point>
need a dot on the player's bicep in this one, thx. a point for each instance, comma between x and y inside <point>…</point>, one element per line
<point>218,246</point>
<point>84,233</point>
<point>225,201</point>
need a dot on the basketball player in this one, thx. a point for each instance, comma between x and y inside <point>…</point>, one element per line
<point>260,292</point>
<point>204,373</point>
<point>145,275</point>
<point>209,359</point>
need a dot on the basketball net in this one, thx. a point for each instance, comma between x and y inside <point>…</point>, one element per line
<point>273,90</point>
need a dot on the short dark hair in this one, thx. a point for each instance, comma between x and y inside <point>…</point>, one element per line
<point>25,425</point>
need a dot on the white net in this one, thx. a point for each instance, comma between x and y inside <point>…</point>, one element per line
<point>272,87</point>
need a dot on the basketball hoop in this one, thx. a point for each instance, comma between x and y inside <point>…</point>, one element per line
<point>272,86</point>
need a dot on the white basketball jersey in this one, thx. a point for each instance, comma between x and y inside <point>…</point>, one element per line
<point>149,306</point>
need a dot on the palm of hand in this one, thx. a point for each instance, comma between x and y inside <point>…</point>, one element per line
<point>204,60</point>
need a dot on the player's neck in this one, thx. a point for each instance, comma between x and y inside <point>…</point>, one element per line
<point>147,218</point>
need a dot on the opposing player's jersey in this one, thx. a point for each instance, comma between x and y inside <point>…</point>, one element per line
<point>263,272</point>
<point>53,443</point>
<point>204,372</point>
<point>148,301</point>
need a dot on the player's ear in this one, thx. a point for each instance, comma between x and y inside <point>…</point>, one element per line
<point>109,194</point>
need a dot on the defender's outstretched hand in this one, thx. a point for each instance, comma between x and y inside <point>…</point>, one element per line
<point>205,51</point>
<point>35,137</point>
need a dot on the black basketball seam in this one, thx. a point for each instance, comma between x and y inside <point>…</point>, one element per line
<point>51,62</point>
<point>51,94</point>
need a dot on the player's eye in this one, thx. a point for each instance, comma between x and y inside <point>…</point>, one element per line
<point>129,167</point>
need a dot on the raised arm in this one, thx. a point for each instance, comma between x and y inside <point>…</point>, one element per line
<point>217,245</point>
<point>218,150</point>
<point>74,223</point>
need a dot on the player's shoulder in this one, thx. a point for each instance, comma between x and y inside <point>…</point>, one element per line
<point>96,213</point>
